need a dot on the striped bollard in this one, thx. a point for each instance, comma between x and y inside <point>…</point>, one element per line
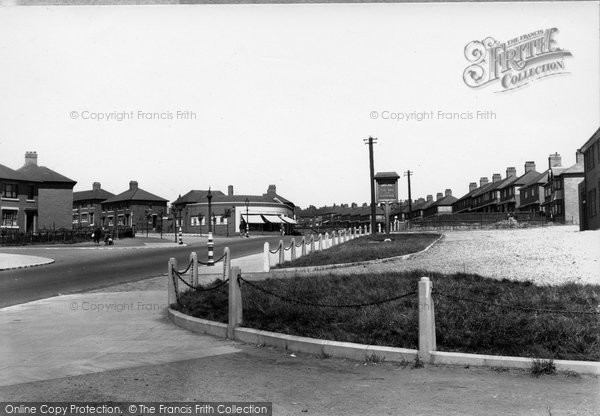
<point>180,236</point>
<point>211,260</point>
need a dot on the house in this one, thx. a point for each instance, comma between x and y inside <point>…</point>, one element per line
<point>35,198</point>
<point>561,192</point>
<point>589,188</point>
<point>509,189</point>
<point>531,193</point>
<point>464,203</point>
<point>134,208</point>
<point>87,206</point>
<point>418,211</point>
<point>442,205</point>
<point>267,212</point>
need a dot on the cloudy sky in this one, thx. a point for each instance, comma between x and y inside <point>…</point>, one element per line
<point>285,95</point>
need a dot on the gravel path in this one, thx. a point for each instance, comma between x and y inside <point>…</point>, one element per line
<point>545,256</point>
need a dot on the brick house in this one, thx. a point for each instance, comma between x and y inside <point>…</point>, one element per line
<point>134,208</point>
<point>589,188</point>
<point>509,190</point>
<point>87,208</point>
<point>561,192</point>
<point>264,213</point>
<point>442,205</point>
<point>35,197</point>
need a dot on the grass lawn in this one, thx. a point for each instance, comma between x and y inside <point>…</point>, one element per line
<point>461,325</point>
<point>370,247</point>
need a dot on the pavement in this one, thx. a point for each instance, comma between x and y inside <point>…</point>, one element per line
<point>116,344</point>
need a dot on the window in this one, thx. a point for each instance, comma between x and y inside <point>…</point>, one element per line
<point>110,220</point>
<point>9,218</point>
<point>10,190</point>
<point>84,217</point>
<point>30,192</point>
<point>526,193</point>
<point>194,221</point>
<point>592,202</point>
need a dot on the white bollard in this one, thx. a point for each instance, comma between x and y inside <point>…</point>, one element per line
<point>266,257</point>
<point>427,341</point>
<point>320,242</point>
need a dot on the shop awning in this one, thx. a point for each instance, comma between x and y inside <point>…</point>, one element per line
<point>273,219</point>
<point>288,220</point>
<point>254,219</point>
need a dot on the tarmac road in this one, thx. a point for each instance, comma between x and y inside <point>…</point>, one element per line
<point>80,268</point>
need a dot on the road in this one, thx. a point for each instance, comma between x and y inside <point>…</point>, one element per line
<point>77,270</point>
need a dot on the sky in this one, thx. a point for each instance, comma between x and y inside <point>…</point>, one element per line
<point>286,94</point>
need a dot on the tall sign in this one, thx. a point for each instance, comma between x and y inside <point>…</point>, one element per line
<point>387,192</point>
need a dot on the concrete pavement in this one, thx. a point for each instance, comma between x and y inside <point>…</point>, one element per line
<point>20,261</point>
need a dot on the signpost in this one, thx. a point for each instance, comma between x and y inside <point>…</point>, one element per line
<point>387,192</point>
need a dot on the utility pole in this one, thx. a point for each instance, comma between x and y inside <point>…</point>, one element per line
<point>407,174</point>
<point>370,142</point>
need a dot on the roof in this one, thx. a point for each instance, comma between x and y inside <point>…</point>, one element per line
<point>37,173</point>
<point>93,194</point>
<point>591,140</point>
<point>199,197</point>
<point>195,196</point>
<point>577,168</point>
<point>447,200</point>
<point>521,180</point>
<point>484,188</point>
<point>386,175</point>
<point>8,173</point>
<point>540,179</point>
<point>136,194</point>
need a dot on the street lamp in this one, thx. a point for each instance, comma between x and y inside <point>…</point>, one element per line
<point>209,217</point>
<point>247,217</point>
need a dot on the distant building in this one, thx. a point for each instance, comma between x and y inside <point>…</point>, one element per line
<point>589,188</point>
<point>35,198</point>
<point>264,213</point>
<point>134,208</point>
<point>442,205</point>
<point>561,192</point>
<point>87,208</point>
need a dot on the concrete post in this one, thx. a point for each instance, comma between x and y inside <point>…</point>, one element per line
<point>194,260</point>
<point>379,228</point>
<point>172,297</point>
<point>281,253</point>
<point>320,242</point>
<point>293,250</point>
<point>326,245</point>
<point>427,342</point>
<point>303,252</point>
<point>266,257</point>
<point>235,302</point>
<point>312,243</point>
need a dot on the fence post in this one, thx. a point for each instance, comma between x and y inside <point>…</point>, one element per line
<point>235,302</point>
<point>303,249</point>
<point>172,296</point>
<point>427,342</point>
<point>194,260</point>
<point>312,243</point>
<point>281,253</point>
<point>293,250</point>
<point>320,242</point>
<point>266,257</point>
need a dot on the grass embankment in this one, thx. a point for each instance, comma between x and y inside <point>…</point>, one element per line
<point>462,326</point>
<point>371,247</point>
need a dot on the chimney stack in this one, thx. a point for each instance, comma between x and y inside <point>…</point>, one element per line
<point>133,185</point>
<point>429,198</point>
<point>496,177</point>
<point>354,205</point>
<point>448,192</point>
<point>529,166</point>
<point>439,196</point>
<point>578,157</point>
<point>30,158</point>
<point>511,171</point>
<point>272,190</point>
<point>420,200</point>
<point>554,161</point>
<point>230,190</point>
<point>472,186</point>
<point>483,181</point>
<point>96,186</point>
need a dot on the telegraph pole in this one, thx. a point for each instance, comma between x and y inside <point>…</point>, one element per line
<point>370,142</point>
<point>407,174</point>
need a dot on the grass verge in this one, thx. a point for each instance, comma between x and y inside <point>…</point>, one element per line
<point>371,247</point>
<point>471,312</point>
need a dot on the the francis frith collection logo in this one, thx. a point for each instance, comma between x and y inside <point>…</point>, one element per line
<point>515,63</point>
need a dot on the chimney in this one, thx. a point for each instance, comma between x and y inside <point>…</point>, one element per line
<point>133,185</point>
<point>448,192</point>
<point>365,205</point>
<point>554,161</point>
<point>96,186</point>
<point>472,186</point>
<point>230,190</point>
<point>30,158</point>
<point>529,166</point>
<point>578,157</point>
<point>420,200</point>
<point>496,177</point>
<point>439,196</point>
<point>272,190</point>
<point>483,181</point>
<point>354,205</point>
<point>344,205</point>
<point>429,198</point>
<point>511,171</point>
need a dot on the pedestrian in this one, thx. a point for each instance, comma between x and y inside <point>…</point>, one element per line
<point>282,229</point>
<point>97,235</point>
<point>242,228</point>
